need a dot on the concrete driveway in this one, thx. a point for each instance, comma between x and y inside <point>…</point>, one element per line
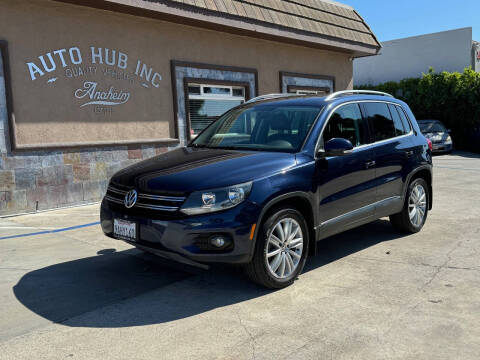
<point>66,291</point>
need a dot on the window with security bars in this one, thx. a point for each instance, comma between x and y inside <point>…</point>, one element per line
<point>207,102</point>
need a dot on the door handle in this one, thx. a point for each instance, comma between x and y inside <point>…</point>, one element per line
<point>408,153</point>
<point>370,164</point>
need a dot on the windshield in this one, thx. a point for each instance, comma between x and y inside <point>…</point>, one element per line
<point>431,126</point>
<point>264,127</point>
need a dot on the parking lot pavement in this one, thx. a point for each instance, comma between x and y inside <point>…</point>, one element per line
<point>69,292</point>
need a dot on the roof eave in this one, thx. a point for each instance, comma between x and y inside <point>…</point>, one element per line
<point>207,19</point>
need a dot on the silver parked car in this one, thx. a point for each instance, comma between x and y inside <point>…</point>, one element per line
<point>438,134</point>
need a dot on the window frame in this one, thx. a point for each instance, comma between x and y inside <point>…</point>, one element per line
<point>409,122</point>
<point>313,90</point>
<point>205,82</point>
<point>207,96</point>
<point>392,108</point>
<point>308,77</point>
<point>370,130</point>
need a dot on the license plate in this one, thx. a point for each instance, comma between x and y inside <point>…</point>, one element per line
<point>125,230</point>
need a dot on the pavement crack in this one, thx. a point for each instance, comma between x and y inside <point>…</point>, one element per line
<point>439,268</point>
<point>409,309</point>
<point>253,341</point>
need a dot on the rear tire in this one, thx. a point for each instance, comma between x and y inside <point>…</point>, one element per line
<point>281,249</point>
<point>415,209</point>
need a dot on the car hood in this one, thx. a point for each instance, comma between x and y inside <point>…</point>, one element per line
<point>440,136</point>
<point>188,169</point>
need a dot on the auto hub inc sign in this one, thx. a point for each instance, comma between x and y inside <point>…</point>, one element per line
<point>89,94</point>
<point>107,75</point>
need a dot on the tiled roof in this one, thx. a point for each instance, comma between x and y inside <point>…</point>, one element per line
<point>325,18</point>
<point>318,23</point>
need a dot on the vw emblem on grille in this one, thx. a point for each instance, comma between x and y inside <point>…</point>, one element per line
<point>130,199</point>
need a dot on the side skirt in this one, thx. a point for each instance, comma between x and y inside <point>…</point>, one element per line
<point>358,217</point>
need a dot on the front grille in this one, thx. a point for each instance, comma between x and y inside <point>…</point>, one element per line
<point>146,201</point>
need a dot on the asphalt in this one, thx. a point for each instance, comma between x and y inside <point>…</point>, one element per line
<point>66,291</point>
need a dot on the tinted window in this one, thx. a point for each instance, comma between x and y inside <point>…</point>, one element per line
<point>397,121</point>
<point>268,127</point>
<point>406,123</point>
<point>346,122</point>
<point>381,121</point>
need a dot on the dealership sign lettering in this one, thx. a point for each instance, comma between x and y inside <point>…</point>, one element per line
<point>98,97</point>
<point>112,64</point>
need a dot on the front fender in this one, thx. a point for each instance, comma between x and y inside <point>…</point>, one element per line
<point>294,183</point>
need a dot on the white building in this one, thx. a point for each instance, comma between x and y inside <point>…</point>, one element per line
<point>450,51</point>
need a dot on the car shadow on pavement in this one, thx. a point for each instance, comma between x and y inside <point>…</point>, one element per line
<point>134,289</point>
<point>352,241</point>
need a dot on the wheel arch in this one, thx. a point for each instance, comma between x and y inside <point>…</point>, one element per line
<point>298,200</point>
<point>424,172</point>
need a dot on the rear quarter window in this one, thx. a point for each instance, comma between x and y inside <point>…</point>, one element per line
<point>397,121</point>
<point>403,116</point>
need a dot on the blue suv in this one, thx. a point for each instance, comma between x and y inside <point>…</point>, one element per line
<point>267,180</point>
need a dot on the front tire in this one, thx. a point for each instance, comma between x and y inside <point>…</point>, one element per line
<point>415,210</point>
<point>281,249</point>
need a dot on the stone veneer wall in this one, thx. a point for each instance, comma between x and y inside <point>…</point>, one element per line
<point>38,180</point>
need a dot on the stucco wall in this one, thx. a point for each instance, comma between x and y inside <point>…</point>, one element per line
<point>410,57</point>
<point>48,113</point>
<point>38,28</point>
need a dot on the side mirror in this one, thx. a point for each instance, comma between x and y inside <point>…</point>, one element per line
<point>337,147</point>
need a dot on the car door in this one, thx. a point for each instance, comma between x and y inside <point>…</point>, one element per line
<point>345,183</point>
<point>393,149</point>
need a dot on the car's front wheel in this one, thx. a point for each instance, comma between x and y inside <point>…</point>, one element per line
<point>281,249</point>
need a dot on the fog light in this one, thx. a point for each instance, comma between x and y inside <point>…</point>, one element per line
<point>218,241</point>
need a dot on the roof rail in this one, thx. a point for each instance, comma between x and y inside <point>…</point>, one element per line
<point>359,92</point>
<point>270,96</point>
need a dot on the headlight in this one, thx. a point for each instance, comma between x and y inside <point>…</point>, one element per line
<point>201,202</point>
<point>449,140</point>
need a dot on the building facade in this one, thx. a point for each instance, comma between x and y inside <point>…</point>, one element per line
<point>89,87</point>
<point>410,57</point>
<point>476,56</point>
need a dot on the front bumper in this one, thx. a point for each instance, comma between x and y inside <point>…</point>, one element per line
<point>185,237</point>
<point>441,148</point>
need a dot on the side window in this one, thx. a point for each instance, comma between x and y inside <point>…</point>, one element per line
<point>397,121</point>
<point>347,122</point>
<point>381,121</point>
<point>405,122</point>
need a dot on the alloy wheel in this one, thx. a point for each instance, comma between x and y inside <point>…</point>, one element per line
<point>417,205</point>
<point>284,248</point>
